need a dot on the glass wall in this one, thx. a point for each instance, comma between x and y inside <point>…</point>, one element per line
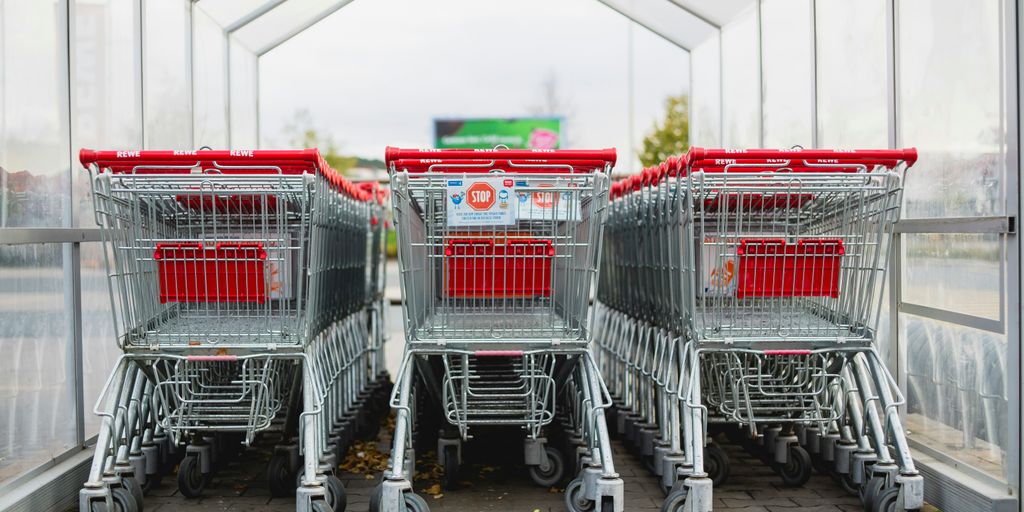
<point>787,83</point>
<point>741,93</point>
<point>706,94</point>
<point>209,81</point>
<point>933,74</point>
<point>167,73</point>
<point>34,143</point>
<point>851,73</point>
<point>950,106</point>
<point>107,114</point>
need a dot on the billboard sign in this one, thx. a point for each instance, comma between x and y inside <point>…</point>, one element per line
<point>516,133</point>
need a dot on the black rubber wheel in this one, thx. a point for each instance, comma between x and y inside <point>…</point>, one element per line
<point>846,482</point>
<point>607,504</point>
<point>574,500</point>
<point>716,464</point>
<point>885,501</point>
<point>280,478</point>
<point>321,506</point>
<point>414,503</point>
<point>555,471</point>
<point>797,470</point>
<point>870,491</point>
<point>375,498</point>
<point>135,488</point>
<point>191,480</point>
<point>335,494</point>
<point>123,502</point>
<point>822,466</point>
<point>450,459</point>
<point>152,482</point>
<point>675,501</point>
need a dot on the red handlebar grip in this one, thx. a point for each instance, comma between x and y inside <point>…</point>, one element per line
<point>608,155</point>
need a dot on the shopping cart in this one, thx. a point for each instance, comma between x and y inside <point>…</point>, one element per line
<point>242,287</point>
<point>747,284</point>
<point>497,251</point>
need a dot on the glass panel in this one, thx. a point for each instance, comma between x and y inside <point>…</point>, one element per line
<point>673,23</point>
<point>209,86</point>
<point>36,405</point>
<point>34,151</point>
<point>706,97</point>
<point>108,103</point>
<point>786,56</point>
<point>950,83</point>
<point>244,100</point>
<point>851,74</point>
<point>956,391</point>
<point>660,70</point>
<point>166,56</point>
<point>955,272</point>
<point>99,342</point>
<point>741,107</point>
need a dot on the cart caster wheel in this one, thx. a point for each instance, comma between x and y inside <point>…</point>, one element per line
<point>716,464</point>
<point>280,478</point>
<point>887,501</point>
<point>822,466</point>
<point>607,504</point>
<point>123,502</point>
<point>135,488</point>
<point>555,471</point>
<point>451,467</point>
<point>414,503</point>
<point>191,480</point>
<point>675,501</point>
<point>375,496</point>
<point>846,482</point>
<point>152,482</point>
<point>321,506</point>
<point>574,500</point>
<point>870,491</point>
<point>335,493</point>
<point>797,470</point>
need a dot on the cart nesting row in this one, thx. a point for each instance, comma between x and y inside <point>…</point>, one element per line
<point>739,293</point>
<point>497,251</point>
<point>246,290</point>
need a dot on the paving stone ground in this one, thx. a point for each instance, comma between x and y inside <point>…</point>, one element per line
<point>492,479</point>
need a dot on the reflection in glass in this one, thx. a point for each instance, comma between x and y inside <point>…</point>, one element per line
<point>956,391</point>
<point>949,97</point>
<point>955,272</point>
<point>33,115</point>
<point>36,405</point>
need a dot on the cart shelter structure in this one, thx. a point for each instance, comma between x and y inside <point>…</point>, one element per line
<point>940,75</point>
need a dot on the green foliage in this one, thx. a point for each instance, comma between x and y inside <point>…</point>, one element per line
<point>302,134</point>
<point>671,136</point>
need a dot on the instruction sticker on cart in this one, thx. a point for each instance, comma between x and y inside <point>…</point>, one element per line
<point>481,202</point>
<point>548,200</point>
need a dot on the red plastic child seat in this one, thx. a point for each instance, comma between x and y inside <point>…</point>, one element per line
<point>484,268</point>
<point>771,267</point>
<point>228,272</point>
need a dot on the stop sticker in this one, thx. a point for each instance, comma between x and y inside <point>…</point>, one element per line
<point>480,196</point>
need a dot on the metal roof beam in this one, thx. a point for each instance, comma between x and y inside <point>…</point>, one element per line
<point>302,27</point>
<point>629,14</point>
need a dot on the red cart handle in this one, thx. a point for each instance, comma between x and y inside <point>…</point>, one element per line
<point>485,165</point>
<point>290,161</point>
<point>608,155</point>
<point>695,156</point>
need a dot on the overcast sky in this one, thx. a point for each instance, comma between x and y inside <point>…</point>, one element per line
<point>378,72</point>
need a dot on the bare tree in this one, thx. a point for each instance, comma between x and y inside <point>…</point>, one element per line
<point>551,101</point>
